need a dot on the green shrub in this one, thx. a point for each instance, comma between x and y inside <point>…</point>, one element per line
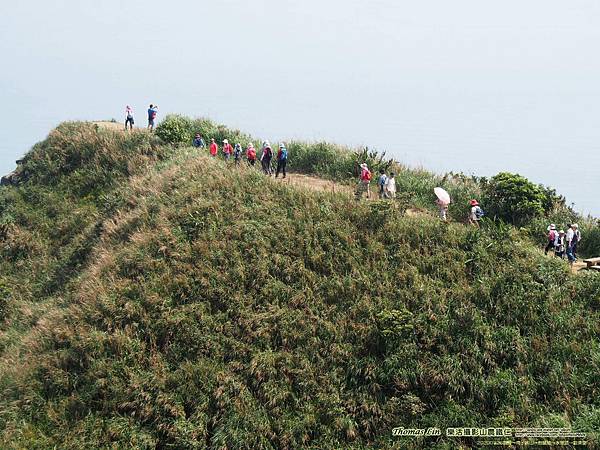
<point>513,198</point>
<point>175,129</point>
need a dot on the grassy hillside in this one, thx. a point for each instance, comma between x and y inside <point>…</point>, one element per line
<point>152,297</point>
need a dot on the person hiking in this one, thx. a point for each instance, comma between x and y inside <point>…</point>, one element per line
<point>390,186</point>
<point>227,149</point>
<point>559,244</point>
<point>198,142</point>
<point>576,238</point>
<point>282,155</point>
<point>237,153</point>
<point>551,238</point>
<point>251,154</point>
<point>364,182</point>
<point>265,158</point>
<point>129,117</point>
<point>443,209</point>
<point>152,112</point>
<point>214,148</point>
<point>381,183</point>
<point>570,238</point>
<point>475,214</point>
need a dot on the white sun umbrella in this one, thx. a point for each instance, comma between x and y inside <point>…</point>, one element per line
<point>442,195</point>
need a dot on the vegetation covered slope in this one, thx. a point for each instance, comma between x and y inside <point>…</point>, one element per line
<point>177,302</point>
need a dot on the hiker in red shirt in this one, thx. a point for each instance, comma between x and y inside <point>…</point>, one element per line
<point>251,154</point>
<point>227,149</point>
<point>214,148</point>
<point>364,182</point>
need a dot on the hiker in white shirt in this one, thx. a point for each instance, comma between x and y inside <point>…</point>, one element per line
<point>390,186</point>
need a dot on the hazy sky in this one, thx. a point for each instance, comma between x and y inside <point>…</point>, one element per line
<point>451,85</point>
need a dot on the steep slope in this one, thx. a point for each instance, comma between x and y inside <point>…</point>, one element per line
<point>180,302</point>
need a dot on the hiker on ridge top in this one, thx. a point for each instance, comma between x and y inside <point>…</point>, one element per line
<point>198,141</point>
<point>214,148</point>
<point>129,117</point>
<point>390,186</point>
<point>381,181</point>
<point>363,182</point>
<point>152,112</point>
<point>552,233</point>
<point>237,153</point>
<point>282,156</point>
<point>265,158</point>
<point>251,154</point>
<point>227,149</point>
<point>475,214</point>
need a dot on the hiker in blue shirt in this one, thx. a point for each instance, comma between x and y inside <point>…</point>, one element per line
<point>381,183</point>
<point>237,153</point>
<point>152,112</point>
<point>198,141</point>
<point>282,155</point>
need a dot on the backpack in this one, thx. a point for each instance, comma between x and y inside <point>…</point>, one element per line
<point>153,114</point>
<point>479,213</point>
<point>368,175</point>
<point>251,154</point>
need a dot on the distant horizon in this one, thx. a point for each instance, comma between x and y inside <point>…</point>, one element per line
<point>464,86</point>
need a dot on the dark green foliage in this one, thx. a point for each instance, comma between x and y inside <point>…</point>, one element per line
<point>201,306</point>
<point>513,198</point>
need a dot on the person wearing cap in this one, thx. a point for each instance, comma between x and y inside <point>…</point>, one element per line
<point>251,154</point>
<point>227,149</point>
<point>237,153</point>
<point>559,244</point>
<point>364,182</point>
<point>282,156</point>
<point>129,117</point>
<point>475,214</point>
<point>214,148</point>
<point>198,141</point>
<point>266,157</point>
<point>551,238</point>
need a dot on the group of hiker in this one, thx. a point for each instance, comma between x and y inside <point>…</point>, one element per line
<point>152,113</point>
<point>563,244</point>
<point>237,153</point>
<point>386,186</point>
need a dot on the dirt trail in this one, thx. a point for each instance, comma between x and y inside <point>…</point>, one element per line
<point>320,184</point>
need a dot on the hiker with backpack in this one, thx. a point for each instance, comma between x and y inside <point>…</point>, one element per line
<point>476,213</point>
<point>381,183</point>
<point>129,117</point>
<point>251,154</point>
<point>390,186</point>
<point>559,244</point>
<point>237,153</point>
<point>282,156</point>
<point>363,182</point>
<point>198,142</point>
<point>265,158</point>
<point>552,234</point>
<point>152,113</point>
<point>227,149</point>
<point>214,148</point>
